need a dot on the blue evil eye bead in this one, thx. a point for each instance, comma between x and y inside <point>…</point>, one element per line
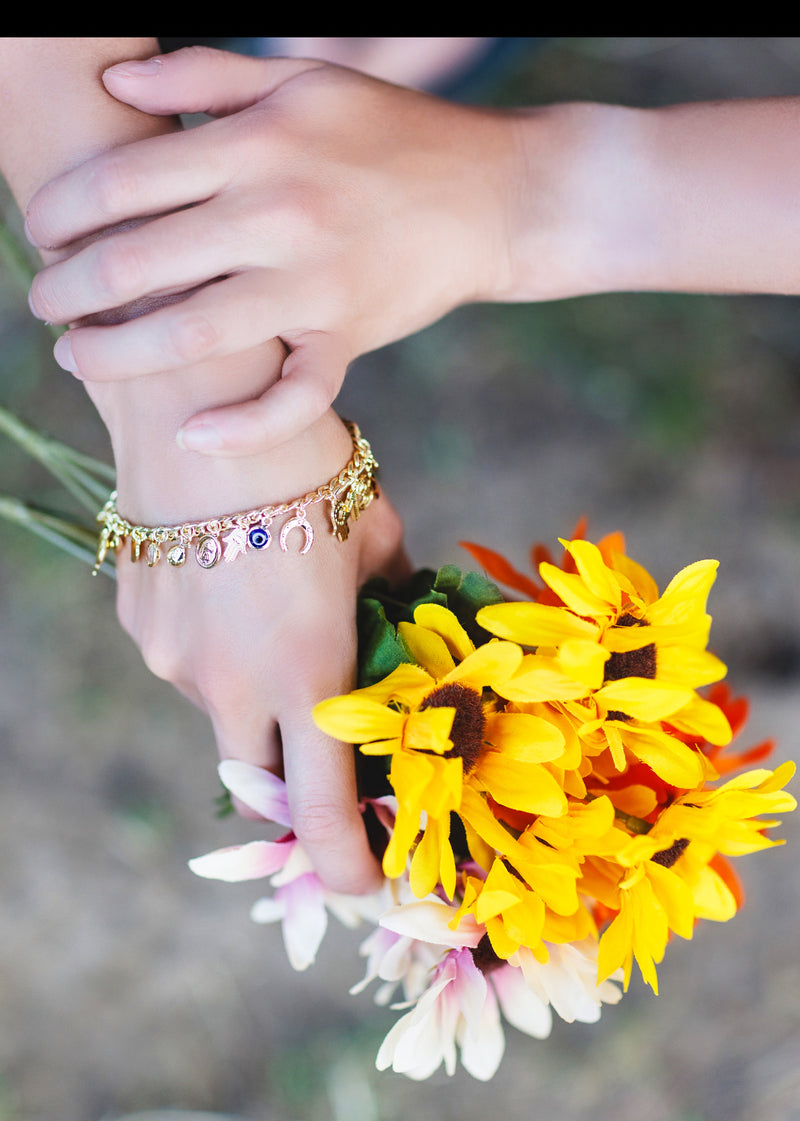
<point>259,537</point>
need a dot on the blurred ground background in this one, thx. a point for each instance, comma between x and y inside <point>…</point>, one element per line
<point>127,984</point>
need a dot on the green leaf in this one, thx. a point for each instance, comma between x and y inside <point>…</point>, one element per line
<point>466,593</point>
<point>380,647</point>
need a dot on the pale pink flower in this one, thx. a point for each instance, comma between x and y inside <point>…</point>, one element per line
<point>458,1010</point>
<point>300,902</point>
<point>568,980</point>
<point>411,939</point>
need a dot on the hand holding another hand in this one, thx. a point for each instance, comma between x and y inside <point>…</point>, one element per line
<point>325,208</point>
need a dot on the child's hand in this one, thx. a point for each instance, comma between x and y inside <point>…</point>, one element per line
<point>257,642</point>
<point>325,208</point>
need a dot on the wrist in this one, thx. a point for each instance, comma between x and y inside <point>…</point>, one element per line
<point>159,482</point>
<point>580,217</point>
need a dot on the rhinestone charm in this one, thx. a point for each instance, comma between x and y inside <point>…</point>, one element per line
<point>176,556</point>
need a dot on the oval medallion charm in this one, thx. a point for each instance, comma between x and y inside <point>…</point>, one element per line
<point>177,555</point>
<point>207,551</point>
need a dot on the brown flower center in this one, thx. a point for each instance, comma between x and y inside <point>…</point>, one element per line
<point>469,723</point>
<point>667,857</point>
<point>632,663</point>
<point>484,956</point>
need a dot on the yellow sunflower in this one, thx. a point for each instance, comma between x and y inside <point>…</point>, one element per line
<point>438,720</point>
<point>638,655</point>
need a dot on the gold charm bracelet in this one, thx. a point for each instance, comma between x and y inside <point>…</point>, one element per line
<point>227,537</point>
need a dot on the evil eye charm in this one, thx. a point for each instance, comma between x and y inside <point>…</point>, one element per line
<point>259,537</point>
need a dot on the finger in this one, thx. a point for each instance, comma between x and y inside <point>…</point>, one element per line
<point>321,782</point>
<point>199,80</point>
<point>312,377</point>
<point>250,742</point>
<point>227,317</point>
<point>153,176</point>
<point>174,253</point>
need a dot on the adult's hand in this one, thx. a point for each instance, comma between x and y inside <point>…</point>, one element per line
<point>328,209</point>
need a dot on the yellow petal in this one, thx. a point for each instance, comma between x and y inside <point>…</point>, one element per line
<point>686,594</point>
<point>524,738</point>
<point>713,899</point>
<point>583,661</point>
<point>444,623</point>
<point>639,578</point>
<point>685,665</point>
<point>407,684</point>
<point>675,897</point>
<point>540,678</point>
<point>615,950</point>
<point>703,718</point>
<point>572,589</point>
<point>433,861</point>
<point>427,649</point>
<point>643,698</point>
<point>598,578</point>
<point>520,786</point>
<point>669,757</point>
<point>534,624</point>
<point>491,665</point>
<point>429,730</point>
<point>355,719</point>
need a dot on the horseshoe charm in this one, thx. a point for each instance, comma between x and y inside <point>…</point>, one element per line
<point>299,521</point>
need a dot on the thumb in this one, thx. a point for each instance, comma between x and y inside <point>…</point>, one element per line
<point>312,376</point>
<point>199,80</point>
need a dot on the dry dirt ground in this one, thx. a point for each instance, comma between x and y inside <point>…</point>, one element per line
<point>128,985</point>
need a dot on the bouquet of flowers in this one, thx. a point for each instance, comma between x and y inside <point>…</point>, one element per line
<point>551,796</point>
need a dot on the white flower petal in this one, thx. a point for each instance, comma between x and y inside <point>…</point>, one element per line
<point>567,981</point>
<point>305,921</point>
<point>298,864</point>
<point>242,862</point>
<point>259,789</point>
<point>520,1005</point>
<point>267,910</point>
<point>414,1045</point>
<point>428,920</point>
<point>483,1043</point>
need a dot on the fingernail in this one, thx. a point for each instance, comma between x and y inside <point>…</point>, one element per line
<point>199,438</point>
<point>34,312</point>
<point>136,68</point>
<point>29,235</point>
<point>62,352</point>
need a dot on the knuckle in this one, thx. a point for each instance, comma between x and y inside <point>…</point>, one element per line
<point>298,218</point>
<point>160,661</point>
<point>191,337</point>
<point>320,392</point>
<point>158,653</point>
<point>222,690</point>
<point>119,271</point>
<point>317,821</point>
<point>112,187</point>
